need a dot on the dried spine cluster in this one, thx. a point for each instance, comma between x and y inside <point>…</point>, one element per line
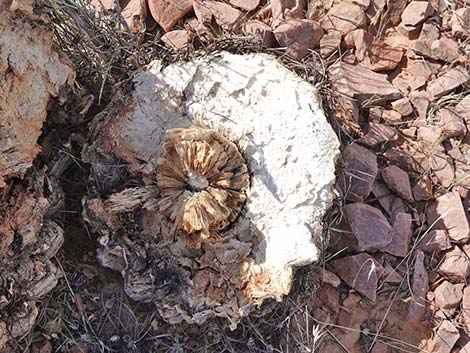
<point>202,177</point>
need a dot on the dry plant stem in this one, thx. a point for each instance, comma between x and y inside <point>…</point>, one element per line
<point>202,177</point>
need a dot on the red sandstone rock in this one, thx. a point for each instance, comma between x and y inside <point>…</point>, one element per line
<point>455,265</point>
<point>447,213</point>
<point>298,36</point>
<point>398,181</point>
<point>359,173</point>
<point>419,288</point>
<point>344,17</point>
<point>361,272</point>
<point>402,232</point>
<point>167,12</point>
<point>369,226</point>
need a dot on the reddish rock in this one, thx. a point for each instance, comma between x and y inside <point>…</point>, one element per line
<point>466,307</point>
<point>248,5</point>
<point>344,17</point>
<point>443,168</point>
<point>354,84</point>
<point>369,226</point>
<point>419,287</point>
<point>455,265</point>
<point>258,28</point>
<point>361,272</point>
<point>395,10</point>
<point>402,232</point>
<point>387,115</point>
<point>287,9</point>
<point>403,106</point>
<point>177,39</point>
<point>167,12</point>
<point>391,204</point>
<point>460,23</point>
<point>202,12</point>
<point>361,40</point>
<point>328,277</point>
<point>202,32</point>
<point>415,13</point>
<point>398,181</point>
<point>422,190</point>
<point>447,213</point>
<point>443,49</point>
<point>225,15</point>
<point>462,109</point>
<point>298,36</point>
<point>408,157</point>
<point>448,296</point>
<point>390,275</point>
<point>329,43</point>
<point>134,13</point>
<point>378,134</point>
<point>452,124</point>
<point>435,241</point>
<point>446,337</point>
<point>361,83</point>
<point>382,57</point>
<point>447,82</point>
<point>429,139</point>
<point>359,173</point>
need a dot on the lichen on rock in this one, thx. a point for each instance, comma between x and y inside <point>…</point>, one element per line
<point>231,152</point>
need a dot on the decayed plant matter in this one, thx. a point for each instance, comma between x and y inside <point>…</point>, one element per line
<point>196,224</point>
<point>31,73</point>
<point>202,179</point>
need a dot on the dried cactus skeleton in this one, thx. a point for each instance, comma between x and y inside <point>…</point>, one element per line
<point>247,209</point>
<point>202,179</point>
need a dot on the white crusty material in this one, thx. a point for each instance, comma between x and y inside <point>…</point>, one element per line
<point>276,120</point>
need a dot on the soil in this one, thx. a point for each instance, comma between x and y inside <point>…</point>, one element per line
<point>394,80</point>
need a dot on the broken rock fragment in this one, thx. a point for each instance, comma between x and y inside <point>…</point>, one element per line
<point>354,84</point>
<point>447,213</point>
<point>415,13</point>
<point>298,36</point>
<point>344,17</point>
<point>369,225</point>
<point>402,232</point>
<point>398,180</point>
<point>168,12</point>
<point>226,16</point>
<point>177,39</point>
<point>419,288</point>
<point>359,172</point>
<point>217,194</point>
<point>448,82</point>
<point>460,23</point>
<point>455,265</point>
<point>361,272</point>
<point>448,296</point>
<point>445,338</point>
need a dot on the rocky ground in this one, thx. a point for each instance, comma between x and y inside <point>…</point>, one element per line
<point>394,78</point>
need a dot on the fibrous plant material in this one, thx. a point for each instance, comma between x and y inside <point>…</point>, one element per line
<point>30,74</point>
<point>230,152</point>
<point>28,243</point>
<point>202,179</point>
